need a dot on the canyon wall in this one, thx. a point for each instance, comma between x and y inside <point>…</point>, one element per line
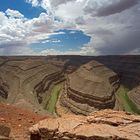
<point>91,82</point>
<point>91,87</point>
<point>128,69</point>
<point>75,97</point>
<point>26,82</point>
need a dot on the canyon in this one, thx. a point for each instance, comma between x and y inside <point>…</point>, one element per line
<point>87,83</point>
<point>91,87</point>
<point>62,86</point>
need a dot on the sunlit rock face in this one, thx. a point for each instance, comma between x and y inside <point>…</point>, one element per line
<point>128,69</point>
<point>91,82</point>
<point>100,125</point>
<point>134,96</point>
<point>91,87</point>
<point>27,81</point>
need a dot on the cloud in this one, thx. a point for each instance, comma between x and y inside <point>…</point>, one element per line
<point>124,44</point>
<point>33,2</point>
<point>57,52</point>
<point>107,8</point>
<point>53,3</point>
<point>112,25</point>
<point>17,32</point>
<point>51,52</point>
<point>80,20</point>
<point>116,34</point>
<point>14,13</point>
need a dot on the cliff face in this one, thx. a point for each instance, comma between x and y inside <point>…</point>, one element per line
<point>26,82</point>
<point>134,95</point>
<point>128,69</point>
<point>90,88</point>
<point>90,85</point>
<point>100,125</point>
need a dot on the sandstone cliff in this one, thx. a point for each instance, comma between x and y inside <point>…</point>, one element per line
<point>134,96</point>
<point>27,82</point>
<point>91,87</point>
<point>100,125</point>
<point>128,69</point>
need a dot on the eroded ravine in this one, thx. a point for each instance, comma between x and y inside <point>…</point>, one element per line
<point>90,84</point>
<point>51,105</point>
<point>125,102</point>
<point>27,83</point>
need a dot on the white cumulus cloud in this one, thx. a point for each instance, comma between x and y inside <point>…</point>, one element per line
<point>14,13</point>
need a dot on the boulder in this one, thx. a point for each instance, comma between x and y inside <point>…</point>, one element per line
<point>4,132</point>
<point>101,125</point>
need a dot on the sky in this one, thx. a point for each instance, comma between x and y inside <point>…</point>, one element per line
<point>69,27</point>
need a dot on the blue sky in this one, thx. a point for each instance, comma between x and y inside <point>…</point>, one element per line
<point>68,40</point>
<point>22,6</point>
<point>79,27</point>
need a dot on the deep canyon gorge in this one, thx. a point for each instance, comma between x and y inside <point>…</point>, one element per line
<point>68,85</point>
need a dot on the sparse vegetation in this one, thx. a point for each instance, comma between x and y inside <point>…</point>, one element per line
<point>126,102</point>
<point>53,98</point>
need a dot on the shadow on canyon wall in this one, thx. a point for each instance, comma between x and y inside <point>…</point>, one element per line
<point>126,66</point>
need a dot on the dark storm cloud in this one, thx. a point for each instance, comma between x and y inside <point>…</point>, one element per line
<point>12,44</point>
<point>109,9</point>
<point>125,45</point>
<point>116,7</point>
<point>102,32</point>
<point>80,21</point>
<point>119,33</point>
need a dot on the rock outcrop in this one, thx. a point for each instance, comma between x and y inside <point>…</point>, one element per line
<point>134,96</point>
<point>128,69</point>
<point>90,88</point>
<point>27,82</point>
<point>4,132</point>
<point>100,125</point>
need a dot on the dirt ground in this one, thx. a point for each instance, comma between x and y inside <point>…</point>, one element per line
<point>18,120</point>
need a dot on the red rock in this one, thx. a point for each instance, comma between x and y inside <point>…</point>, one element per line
<point>107,124</point>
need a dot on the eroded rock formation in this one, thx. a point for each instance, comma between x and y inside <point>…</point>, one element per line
<point>128,69</point>
<point>27,82</point>
<point>100,125</point>
<point>91,87</point>
<point>134,96</point>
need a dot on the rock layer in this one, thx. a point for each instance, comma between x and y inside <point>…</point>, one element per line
<point>100,125</point>
<point>90,88</point>
<point>26,82</point>
<point>134,95</point>
<point>128,69</point>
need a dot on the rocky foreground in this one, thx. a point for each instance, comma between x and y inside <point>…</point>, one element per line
<point>100,125</point>
<point>15,122</point>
